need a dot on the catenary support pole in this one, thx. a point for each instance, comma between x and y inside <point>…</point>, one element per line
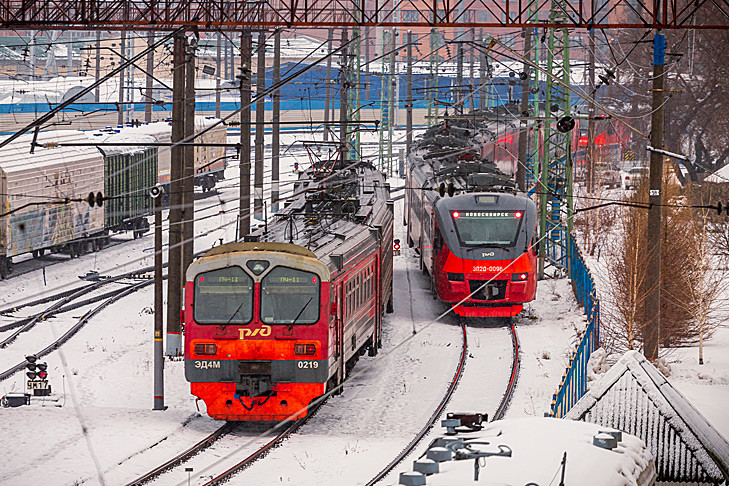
<point>244,215</point>
<point>590,165</point>
<point>653,247</point>
<point>260,113</point>
<point>120,108</point>
<point>177,157</point>
<point>327,87</point>
<point>481,75</point>
<point>276,118</point>
<point>148,106</point>
<point>97,91</point>
<point>458,92</point>
<point>343,102</point>
<point>188,184</point>
<point>410,101</point>
<point>217,76</point>
<point>523,124</point>
<point>159,359</point>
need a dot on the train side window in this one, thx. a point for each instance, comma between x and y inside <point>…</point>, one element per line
<point>223,296</point>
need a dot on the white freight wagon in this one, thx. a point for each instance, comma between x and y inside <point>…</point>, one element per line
<point>35,193</point>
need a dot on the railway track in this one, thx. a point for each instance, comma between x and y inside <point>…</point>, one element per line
<point>63,305</point>
<point>229,428</point>
<point>498,414</point>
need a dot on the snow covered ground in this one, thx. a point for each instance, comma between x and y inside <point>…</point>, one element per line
<point>101,428</point>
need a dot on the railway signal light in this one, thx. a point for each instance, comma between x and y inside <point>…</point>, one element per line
<point>396,246</point>
<point>97,199</point>
<point>156,191</point>
<point>565,124</point>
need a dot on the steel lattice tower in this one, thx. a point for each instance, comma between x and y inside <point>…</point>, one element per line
<point>556,174</point>
<point>386,108</point>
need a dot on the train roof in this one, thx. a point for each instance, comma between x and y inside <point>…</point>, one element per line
<point>261,246</point>
<point>16,156</point>
<point>162,130</point>
<point>102,136</point>
<point>337,231</point>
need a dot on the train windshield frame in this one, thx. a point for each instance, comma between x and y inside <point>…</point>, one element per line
<point>223,296</point>
<point>290,296</point>
<point>488,228</point>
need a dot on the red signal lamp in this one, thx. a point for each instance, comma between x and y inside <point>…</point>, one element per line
<point>305,349</point>
<point>42,375</point>
<point>456,214</point>
<point>517,214</point>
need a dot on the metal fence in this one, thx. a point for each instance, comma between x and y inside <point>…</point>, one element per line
<point>574,380</point>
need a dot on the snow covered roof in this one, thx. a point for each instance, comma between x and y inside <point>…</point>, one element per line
<point>721,175</point>
<point>633,396</point>
<point>531,451</point>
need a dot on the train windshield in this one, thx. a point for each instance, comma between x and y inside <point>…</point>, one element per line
<point>487,228</point>
<point>223,296</point>
<point>290,296</point>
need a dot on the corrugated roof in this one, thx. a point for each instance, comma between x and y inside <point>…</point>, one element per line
<point>633,396</point>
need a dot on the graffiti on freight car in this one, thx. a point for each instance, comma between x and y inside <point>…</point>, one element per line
<point>27,230</point>
<point>60,223</point>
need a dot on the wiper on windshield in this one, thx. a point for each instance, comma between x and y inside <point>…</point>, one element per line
<point>301,311</point>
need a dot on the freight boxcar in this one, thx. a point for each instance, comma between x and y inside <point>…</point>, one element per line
<point>36,217</point>
<point>210,162</point>
<point>129,173</point>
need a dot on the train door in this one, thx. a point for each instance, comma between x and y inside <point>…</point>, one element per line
<point>339,332</point>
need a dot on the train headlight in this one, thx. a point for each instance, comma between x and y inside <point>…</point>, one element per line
<point>517,214</point>
<point>305,349</point>
<point>456,214</point>
<point>456,277</point>
<point>519,277</point>
<point>206,349</point>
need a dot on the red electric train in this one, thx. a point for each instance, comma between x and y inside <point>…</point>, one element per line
<point>475,235</point>
<point>274,322</point>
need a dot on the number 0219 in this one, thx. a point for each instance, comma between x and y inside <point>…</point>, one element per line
<point>308,364</point>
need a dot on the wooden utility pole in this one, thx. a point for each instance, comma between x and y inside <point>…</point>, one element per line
<point>327,88</point>
<point>188,184</point>
<point>276,119</point>
<point>244,211</point>
<point>523,123</point>
<point>260,113</point>
<point>590,165</point>
<point>409,105</point>
<point>177,157</point>
<point>150,72</point>
<point>652,331</point>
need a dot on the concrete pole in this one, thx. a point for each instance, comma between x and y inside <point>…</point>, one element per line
<point>188,185</point>
<point>458,109</point>
<point>150,72</point>
<point>174,279</point>
<point>524,124</point>
<point>159,359</point>
<point>97,91</point>
<point>344,102</point>
<point>590,166</point>
<point>653,248</point>
<point>120,108</point>
<point>327,88</point>
<point>69,54</point>
<point>409,113</point>
<point>472,62</point>
<point>260,119</point>
<point>276,118</point>
<point>217,78</point>
<point>31,55</point>
<point>481,75</point>
<point>244,214</point>
<point>367,62</point>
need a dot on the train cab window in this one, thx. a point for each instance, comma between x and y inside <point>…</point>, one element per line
<point>484,228</point>
<point>290,296</point>
<point>223,296</point>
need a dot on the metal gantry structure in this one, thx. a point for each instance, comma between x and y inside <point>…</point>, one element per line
<point>233,14</point>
